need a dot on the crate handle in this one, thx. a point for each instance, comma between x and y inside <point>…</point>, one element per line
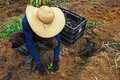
<point>79,30</point>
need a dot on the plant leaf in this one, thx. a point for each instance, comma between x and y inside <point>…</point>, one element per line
<point>118,58</point>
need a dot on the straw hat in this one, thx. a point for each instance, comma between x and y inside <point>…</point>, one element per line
<point>45,21</point>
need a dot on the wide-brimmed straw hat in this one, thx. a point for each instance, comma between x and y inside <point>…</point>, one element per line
<point>45,21</point>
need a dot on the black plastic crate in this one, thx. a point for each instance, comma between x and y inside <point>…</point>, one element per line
<point>66,41</point>
<point>72,29</point>
<point>72,37</point>
<point>74,26</point>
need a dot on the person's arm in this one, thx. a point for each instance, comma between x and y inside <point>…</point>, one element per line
<point>56,54</point>
<point>57,48</point>
<point>29,40</point>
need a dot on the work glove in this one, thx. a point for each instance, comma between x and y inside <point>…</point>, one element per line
<point>55,65</point>
<point>42,68</point>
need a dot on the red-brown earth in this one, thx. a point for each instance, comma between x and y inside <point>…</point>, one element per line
<point>73,65</point>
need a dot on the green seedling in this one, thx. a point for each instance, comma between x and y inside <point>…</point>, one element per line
<point>38,3</point>
<point>114,45</point>
<point>35,3</point>
<point>13,26</point>
<point>92,2</point>
<point>50,67</point>
<point>117,56</point>
<point>91,25</point>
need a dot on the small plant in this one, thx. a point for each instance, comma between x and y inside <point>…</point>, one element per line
<point>50,67</point>
<point>91,25</point>
<point>117,56</point>
<point>38,3</point>
<point>92,2</point>
<point>35,3</point>
<point>114,45</point>
<point>13,26</point>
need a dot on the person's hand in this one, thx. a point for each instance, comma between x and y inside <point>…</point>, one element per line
<point>55,65</point>
<point>42,68</point>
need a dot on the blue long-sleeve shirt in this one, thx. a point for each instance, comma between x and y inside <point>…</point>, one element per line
<point>31,45</point>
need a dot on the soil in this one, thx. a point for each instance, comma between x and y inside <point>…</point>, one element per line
<point>79,61</point>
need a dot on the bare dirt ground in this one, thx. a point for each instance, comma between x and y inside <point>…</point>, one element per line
<point>73,65</point>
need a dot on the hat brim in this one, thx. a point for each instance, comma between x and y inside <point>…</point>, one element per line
<point>45,30</point>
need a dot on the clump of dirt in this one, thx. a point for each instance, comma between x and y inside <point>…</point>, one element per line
<point>87,49</point>
<point>14,8</point>
<point>73,64</point>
